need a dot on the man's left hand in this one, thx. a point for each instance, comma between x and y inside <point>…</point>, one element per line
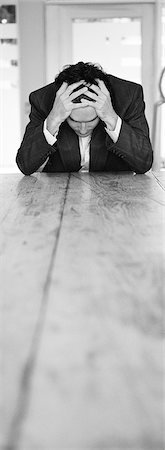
<point>102,104</point>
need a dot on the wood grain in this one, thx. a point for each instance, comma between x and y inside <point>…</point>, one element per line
<point>97,376</point>
<point>31,211</point>
<point>82,265</point>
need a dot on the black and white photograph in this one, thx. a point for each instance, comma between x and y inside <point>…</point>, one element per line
<point>82,225</point>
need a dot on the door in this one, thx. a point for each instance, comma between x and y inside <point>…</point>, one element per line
<point>118,36</point>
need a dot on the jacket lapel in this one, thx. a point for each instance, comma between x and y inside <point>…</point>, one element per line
<point>68,146</point>
<point>98,151</point>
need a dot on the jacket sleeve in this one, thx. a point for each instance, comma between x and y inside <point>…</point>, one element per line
<point>133,144</point>
<point>34,149</point>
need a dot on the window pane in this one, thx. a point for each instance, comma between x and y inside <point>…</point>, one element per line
<point>9,87</point>
<point>115,43</point>
<point>7,14</point>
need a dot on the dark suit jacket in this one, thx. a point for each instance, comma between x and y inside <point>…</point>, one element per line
<point>132,150</point>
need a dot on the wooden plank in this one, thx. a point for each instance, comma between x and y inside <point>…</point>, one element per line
<point>98,378</point>
<point>31,211</point>
<point>7,193</point>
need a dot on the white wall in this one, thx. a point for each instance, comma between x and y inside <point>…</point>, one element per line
<point>32,52</point>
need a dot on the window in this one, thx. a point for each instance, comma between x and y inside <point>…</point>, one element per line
<point>9,87</point>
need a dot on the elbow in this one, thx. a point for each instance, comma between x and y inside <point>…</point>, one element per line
<point>144,168</point>
<point>146,164</point>
<point>23,167</point>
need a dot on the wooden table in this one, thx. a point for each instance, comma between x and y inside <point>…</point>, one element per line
<point>82,262</point>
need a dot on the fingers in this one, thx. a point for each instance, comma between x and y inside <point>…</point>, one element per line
<point>68,90</point>
<point>65,88</point>
<point>62,89</point>
<point>82,104</point>
<point>97,94</point>
<point>102,87</point>
<point>92,95</point>
<point>85,102</point>
<point>94,88</point>
<point>73,86</point>
<point>78,93</point>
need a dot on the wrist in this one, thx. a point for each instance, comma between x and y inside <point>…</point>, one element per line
<point>111,122</point>
<point>52,125</point>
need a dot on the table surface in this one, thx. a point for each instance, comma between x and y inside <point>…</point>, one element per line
<point>82,262</point>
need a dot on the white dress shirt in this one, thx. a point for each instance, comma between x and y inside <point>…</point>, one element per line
<point>84,143</point>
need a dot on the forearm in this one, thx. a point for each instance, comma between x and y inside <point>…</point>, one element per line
<point>34,150</point>
<point>52,123</point>
<point>133,146</point>
<point>51,139</point>
<point>114,134</point>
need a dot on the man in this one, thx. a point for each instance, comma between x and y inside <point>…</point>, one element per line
<point>86,120</point>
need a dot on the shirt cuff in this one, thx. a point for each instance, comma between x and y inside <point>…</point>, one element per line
<point>48,136</point>
<point>115,133</point>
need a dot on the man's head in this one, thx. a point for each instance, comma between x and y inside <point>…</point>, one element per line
<point>82,120</point>
<point>81,71</point>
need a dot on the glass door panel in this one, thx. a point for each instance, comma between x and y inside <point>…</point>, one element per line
<point>114,42</point>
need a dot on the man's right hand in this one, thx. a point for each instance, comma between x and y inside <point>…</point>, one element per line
<point>63,105</point>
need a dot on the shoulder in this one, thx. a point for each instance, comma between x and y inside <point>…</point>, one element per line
<point>124,85</point>
<point>124,93</point>
<point>43,97</point>
<point>44,89</point>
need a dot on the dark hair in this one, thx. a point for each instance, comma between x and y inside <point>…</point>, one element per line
<point>81,71</point>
